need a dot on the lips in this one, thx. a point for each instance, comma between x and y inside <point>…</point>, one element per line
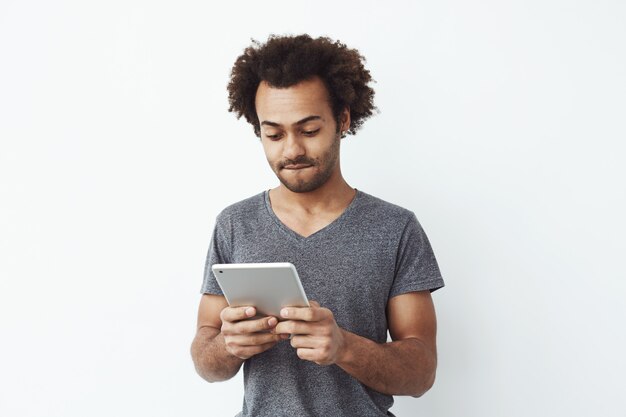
<point>299,166</point>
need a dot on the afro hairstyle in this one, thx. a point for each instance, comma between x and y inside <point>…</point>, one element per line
<point>284,61</point>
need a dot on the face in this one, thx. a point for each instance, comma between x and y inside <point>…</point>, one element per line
<point>299,133</point>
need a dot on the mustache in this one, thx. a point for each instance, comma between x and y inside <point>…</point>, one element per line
<point>298,161</point>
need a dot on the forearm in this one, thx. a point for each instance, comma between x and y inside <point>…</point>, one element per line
<point>212,361</point>
<point>403,367</point>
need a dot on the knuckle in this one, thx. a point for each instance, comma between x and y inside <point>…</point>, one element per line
<point>259,325</point>
<point>242,328</point>
<point>226,328</point>
<point>251,327</point>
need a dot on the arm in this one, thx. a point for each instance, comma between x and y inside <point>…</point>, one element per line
<point>405,366</point>
<point>208,350</point>
<point>225,338</point>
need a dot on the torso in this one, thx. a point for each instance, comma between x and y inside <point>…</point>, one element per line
<point>352,267</point>
<point>307,224</point>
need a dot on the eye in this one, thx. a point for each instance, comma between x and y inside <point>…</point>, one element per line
<point>310,132</point>
<point>273,137</point>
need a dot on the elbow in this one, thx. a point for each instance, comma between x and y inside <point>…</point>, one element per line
<point>212,378</point>
<point>207,369</point>
<point>196,358</point>
<point>424,388</point>
<point>206,374</point>
<point>425,384</point>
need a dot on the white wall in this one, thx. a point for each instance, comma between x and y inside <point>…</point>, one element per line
<point>501,126</point>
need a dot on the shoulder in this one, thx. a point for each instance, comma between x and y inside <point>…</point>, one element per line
<point>384,211</point>
<point>246,208</point>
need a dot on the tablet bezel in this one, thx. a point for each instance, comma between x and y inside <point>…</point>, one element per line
<point>267,286</point>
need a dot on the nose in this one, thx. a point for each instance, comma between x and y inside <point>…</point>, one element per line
<point>293,147</point>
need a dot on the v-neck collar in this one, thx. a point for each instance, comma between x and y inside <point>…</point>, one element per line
<point>298,237</point>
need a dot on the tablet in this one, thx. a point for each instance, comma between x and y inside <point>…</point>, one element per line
<point>267,286</point>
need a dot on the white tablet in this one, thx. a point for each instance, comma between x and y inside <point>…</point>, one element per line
<point>267,286</point>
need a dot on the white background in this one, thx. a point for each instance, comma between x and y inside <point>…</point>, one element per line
<point>502,127</point>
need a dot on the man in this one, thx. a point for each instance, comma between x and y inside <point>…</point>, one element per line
<point>366,264</point>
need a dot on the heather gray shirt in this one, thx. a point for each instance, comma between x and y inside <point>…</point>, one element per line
<point>374,251</point>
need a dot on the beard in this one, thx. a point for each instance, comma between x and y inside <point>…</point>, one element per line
<point>323,166</point>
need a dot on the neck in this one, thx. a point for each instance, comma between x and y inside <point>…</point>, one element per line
<point>334,195</point>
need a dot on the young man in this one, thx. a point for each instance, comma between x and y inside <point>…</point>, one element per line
<point>366,264</point>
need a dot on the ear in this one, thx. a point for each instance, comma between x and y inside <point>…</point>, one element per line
<point>345,119</point>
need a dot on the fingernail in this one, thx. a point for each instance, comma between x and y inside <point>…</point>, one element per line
<point>284,312</point>
<point>272,321</point>
<point>249,311</point>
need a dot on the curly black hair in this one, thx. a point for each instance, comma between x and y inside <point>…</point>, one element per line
<point>284,61</point>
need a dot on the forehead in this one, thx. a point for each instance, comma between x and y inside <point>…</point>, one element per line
<point>288,105</point>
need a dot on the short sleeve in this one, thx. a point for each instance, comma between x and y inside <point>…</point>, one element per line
<point>416,265</point>
<point>218,253</point>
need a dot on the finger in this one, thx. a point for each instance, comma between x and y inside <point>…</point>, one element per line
<point>306,354</point>
<point>303,313</point>
<point>294,327</point>
<point>253,326</point>
<point>237,313</point>
<point>245,352</point>
<point>254,339</point>
<point>314,303</point>
<point>305,341</point>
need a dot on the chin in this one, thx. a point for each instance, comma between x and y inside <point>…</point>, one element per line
<point>302,186</point>
<point>318,179</point>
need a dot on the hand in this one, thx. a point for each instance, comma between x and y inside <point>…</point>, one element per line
<point>245,338</point>
<point>316,335</point>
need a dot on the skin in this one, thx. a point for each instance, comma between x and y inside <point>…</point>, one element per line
<point>298,129</point>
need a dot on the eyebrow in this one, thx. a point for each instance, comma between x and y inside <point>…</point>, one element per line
<point>299,122</point>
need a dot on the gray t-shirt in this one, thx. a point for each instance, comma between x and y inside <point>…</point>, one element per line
<point>374,251</point>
